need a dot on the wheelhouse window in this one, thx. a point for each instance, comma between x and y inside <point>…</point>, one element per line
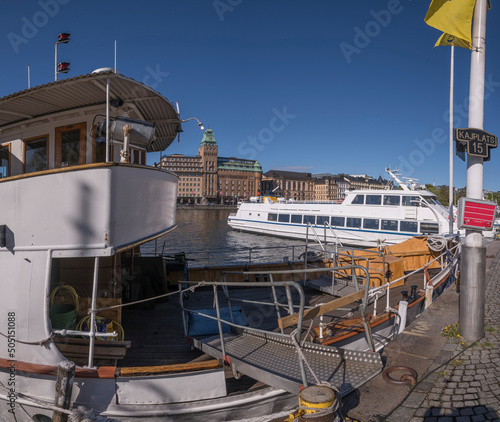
<point>70,145</point>
<point>411,201</point>
<point>390,225</point>
<point>272,217</point>
<point>4,161</point>
<point>358,200</point>
<point>322,219</point>
<point>409,226</point>
<point>36,154</point>
<point>338,221</point>
<point>373,199</point>
<point>284,218</point>
<point>297,219</point>
<point>371,223</point>
<point>99,155</point>
<point>353,222</point>
<point>392,199</point>
<point>429,228</point>
<point>309,219</point>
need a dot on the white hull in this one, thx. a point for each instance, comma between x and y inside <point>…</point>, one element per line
<point>357,221</point>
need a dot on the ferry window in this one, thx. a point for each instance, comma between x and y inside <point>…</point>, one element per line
<point>429,228</point>
<point>4,161</point>
<point>411,201</point>
<point>390,225</point>
<point>309,219</point>
<point>373,199</point>
<point>353,222</point>
<point>322,219</point>
<point>431,200</point>
<point>70,145</point>
<point>409,226</point>
<point>391,199</point>
<point>370,223</point>
<point>35,154</point>
<point>358,199</point>
<point>272,217</point>
<point>296,219</point>
<point>338,221</point>
<point>284,218</point>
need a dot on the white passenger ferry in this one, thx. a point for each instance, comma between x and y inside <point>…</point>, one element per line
<point>364,218</point>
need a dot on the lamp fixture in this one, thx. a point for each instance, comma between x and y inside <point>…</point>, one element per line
<point>200,124</point>
<point>63,67</point>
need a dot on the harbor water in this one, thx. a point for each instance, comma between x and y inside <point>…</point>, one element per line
<point>207,239</point>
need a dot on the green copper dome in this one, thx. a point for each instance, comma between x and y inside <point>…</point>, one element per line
<point>208,138</point>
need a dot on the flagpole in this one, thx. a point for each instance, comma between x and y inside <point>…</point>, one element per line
<point>452,66</point>
<point>473,265</point>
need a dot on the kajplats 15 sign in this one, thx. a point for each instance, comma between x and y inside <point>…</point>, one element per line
<point>476,214</point>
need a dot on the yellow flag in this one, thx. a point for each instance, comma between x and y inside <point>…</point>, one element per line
<point>453,17</point>
<point>447,39</point>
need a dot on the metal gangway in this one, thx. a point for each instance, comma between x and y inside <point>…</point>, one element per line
<point>282,357</point>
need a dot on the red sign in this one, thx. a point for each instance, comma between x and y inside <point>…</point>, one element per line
<point>476,214</point>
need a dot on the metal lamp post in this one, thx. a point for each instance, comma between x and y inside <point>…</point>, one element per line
<point>63,67</point>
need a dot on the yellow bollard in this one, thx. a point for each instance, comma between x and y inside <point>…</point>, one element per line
<point>319,399</point>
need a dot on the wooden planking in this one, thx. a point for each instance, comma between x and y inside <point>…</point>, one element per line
<point>322,309</point>
<point>163,369</point>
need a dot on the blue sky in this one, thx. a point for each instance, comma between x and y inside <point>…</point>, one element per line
<point>317,86</point>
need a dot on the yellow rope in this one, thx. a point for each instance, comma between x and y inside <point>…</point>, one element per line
<point>121,331</point>
<point>71,291</point>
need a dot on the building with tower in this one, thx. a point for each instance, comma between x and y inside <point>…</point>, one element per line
<point>206,177</point>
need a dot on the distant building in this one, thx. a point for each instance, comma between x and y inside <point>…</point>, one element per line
<point>289,184</point>
<point>208,177</point>
<point>325,189</point>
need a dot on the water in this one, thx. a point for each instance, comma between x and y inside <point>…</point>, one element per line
<point>205,236</point>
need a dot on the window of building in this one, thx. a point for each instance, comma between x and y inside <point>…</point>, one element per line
<point>36,154</point>
<point>390,225</point>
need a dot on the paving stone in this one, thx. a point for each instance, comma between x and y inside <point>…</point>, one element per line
<point>414,400</point>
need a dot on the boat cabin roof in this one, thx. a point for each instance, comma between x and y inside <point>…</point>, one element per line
<point>391,192</point>
<point>143,103</point>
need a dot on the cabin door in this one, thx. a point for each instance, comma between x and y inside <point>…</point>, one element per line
<point>70,145</point>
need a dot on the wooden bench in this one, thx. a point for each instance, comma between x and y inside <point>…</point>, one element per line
<point>105,351</point>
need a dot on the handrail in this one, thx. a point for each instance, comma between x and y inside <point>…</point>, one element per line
<point>271,284</point>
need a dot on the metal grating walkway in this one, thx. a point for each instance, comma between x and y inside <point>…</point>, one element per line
<point>273,360</point>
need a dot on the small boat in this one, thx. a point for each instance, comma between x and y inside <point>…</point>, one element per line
<point>364,218</point>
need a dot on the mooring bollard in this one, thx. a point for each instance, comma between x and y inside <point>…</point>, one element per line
<point>319,404</point>
<point>64,388</point>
